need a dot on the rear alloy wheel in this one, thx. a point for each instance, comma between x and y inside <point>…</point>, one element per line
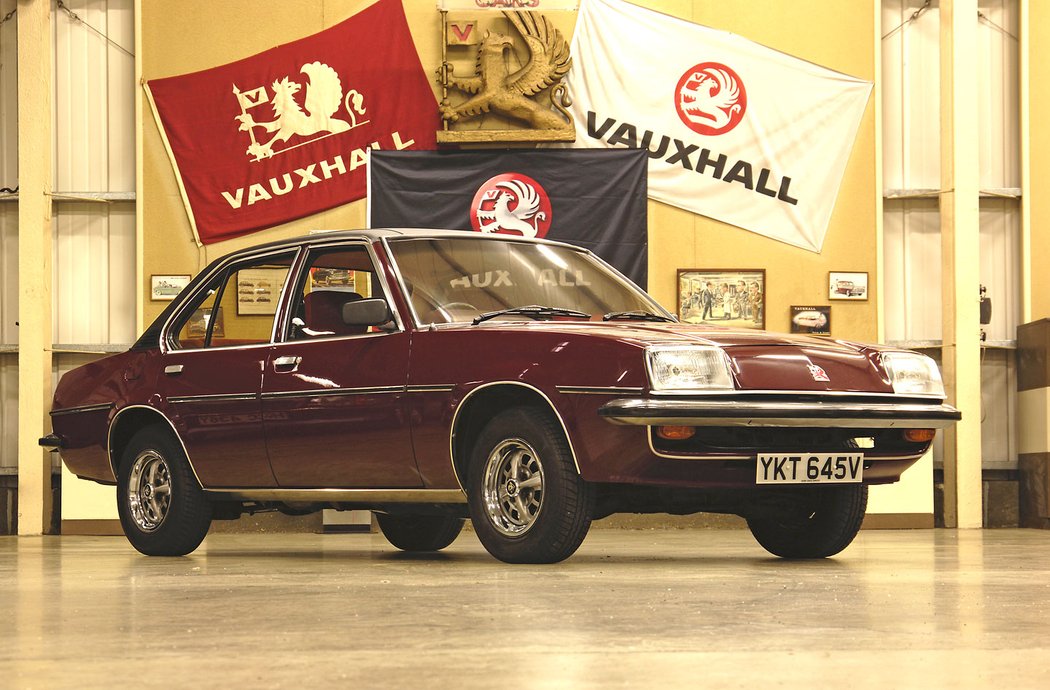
<point>527,502</point>
<point>162,508</point>
<point>822,521</point>
<point>419,533</point>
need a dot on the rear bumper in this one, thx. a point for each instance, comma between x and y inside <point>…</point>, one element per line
<point>52,441</point>
<point>859,415</point>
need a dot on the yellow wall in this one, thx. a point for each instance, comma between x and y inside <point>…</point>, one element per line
<point>1039,150</point>
<point>196,34</point>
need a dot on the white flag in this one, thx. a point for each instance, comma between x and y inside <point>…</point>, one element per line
<point>736,131</point>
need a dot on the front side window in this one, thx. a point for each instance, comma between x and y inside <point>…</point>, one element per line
<point>454,280</point>
<point>332,277</point>
<point>237,307</point>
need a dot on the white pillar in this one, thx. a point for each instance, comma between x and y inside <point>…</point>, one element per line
<point>34,264</point>
<point>960,255</point>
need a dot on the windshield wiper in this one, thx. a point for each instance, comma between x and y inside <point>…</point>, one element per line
<point>534,311</point>
<point>637,315</point>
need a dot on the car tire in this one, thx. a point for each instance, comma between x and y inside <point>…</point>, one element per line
<point>161,505</point>
<point>822,521</point>
<point>528,503</point>
<point>419,533</point>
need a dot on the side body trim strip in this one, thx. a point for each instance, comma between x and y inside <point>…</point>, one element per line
<point>333,392</point>
<point>81,408</point>
<point>377,496</point>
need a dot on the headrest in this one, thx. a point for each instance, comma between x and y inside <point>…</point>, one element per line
<point>324,312</point>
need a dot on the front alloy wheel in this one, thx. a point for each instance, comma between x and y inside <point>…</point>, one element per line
<point>528,504</point>
<point>513,488</point>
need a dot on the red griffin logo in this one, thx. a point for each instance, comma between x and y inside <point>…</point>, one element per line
<point>710,98</point>
<point>511,204</point>
<point>818,373</point>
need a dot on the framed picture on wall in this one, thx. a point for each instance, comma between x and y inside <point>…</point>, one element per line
<point>727,297</point>
<point>847,285</point>
<point>164,288</point>
<point>258,290</point>
<point>811,320</point>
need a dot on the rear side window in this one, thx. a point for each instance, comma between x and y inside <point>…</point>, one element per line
<point>237,307</point>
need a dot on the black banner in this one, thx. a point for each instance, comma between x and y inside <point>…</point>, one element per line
<point>593,199</point>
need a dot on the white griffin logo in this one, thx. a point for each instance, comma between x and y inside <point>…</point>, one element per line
<point>709,97</point>
<point>324,96</point>
<point>503,218</point>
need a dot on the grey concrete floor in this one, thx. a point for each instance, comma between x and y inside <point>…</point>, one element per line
<point>646,609</point>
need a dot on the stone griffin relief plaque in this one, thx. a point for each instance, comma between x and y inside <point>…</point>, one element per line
<point>515,92</point>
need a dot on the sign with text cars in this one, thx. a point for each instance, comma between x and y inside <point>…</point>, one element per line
<point>285,133</point>
<point>593,199</point>
<point>735,131</point>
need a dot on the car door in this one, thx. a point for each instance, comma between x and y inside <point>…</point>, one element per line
<point>215,350</point>
<point>333,396</point>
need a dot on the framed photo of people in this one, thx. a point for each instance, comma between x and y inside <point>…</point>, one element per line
<point>722,296</point>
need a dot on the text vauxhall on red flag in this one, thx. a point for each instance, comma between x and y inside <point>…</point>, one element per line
<point>285,133</point>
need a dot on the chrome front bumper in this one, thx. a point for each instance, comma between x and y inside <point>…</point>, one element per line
<point>860,415</point>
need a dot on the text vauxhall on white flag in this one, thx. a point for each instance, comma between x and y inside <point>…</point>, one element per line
<point>735,131</point>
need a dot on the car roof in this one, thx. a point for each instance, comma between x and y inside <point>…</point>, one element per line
<point>375,234</point>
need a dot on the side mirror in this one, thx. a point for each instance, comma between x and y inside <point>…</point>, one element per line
<point>367,312</point>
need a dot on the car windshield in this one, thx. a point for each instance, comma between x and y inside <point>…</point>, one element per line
<point>458,279</point>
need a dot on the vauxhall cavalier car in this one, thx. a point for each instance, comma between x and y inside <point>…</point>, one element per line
<point>524,384</point>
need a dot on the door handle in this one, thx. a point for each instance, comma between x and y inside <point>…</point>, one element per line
<point>173,369</point>
<point>286,363</point>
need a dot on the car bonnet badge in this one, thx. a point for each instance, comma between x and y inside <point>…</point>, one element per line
<point>818,373</point>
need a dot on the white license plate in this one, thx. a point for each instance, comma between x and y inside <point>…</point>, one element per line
<point>809,468</point>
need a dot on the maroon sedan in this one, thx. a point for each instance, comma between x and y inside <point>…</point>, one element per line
<point>433,375</point>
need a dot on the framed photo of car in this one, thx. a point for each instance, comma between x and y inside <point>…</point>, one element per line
<point>811,320</point>
<point>164,288</point>
<point>848,285</point>
<point>722,296</point>
<point>258,290</point>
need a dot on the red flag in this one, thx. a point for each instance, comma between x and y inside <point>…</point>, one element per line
<point>285,133</point>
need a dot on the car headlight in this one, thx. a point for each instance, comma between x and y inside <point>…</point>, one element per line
<point>688,367</point>
<point>913,374</point>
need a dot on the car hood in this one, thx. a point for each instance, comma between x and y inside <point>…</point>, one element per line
<point>761,360</point>
<point>650,333</point>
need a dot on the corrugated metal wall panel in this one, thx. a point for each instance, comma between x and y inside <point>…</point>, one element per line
<point>999,99</point>
<point>912,232</point>
<point>1001,265</point>
<point>8,412</point>
<point>911,157</point>
<point>911,96</point>
<point>94,278</point>
<point>8,273</point>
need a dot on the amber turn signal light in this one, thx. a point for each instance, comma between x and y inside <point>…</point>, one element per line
<point>919,435</point>
<point>675,433</point>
